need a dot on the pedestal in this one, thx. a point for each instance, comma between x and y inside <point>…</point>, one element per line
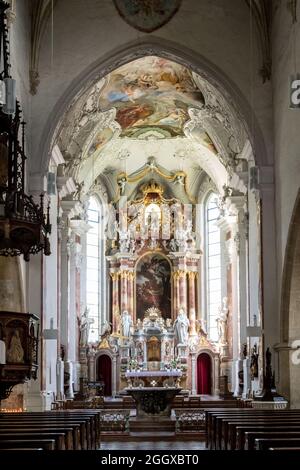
<point>69,371</point>
<point>238,367</point>
<point>182,350</point>
<point>153,401</point>
<point>60,393</point>
<point>246,378</point>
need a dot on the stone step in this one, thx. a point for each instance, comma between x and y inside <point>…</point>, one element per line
<point>152,437</point>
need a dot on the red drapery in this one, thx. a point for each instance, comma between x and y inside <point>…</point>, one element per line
<point>204,374</point>
<point>104,373</point>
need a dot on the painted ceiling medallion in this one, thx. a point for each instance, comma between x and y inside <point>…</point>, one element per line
<point>147,15</point>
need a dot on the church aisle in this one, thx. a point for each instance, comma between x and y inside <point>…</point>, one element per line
<point>161,445</point>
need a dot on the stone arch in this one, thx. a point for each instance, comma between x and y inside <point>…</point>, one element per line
<point>166,49</point>
<point>289,378</point>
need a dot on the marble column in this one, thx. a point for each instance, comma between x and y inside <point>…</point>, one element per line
<point>192,275</point>
<point>176,303</point>
<point>115,300</point>
<point>124,293</point>
<point>130,292</point>
<point>182,290</point>
<point>91,366</point>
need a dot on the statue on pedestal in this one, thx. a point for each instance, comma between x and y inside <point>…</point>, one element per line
<point>85,323</point>
<point>126,323</point>
<point>181,327</point>
<point>222,323</point>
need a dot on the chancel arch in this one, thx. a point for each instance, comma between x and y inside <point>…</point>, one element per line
<point>164,212</point>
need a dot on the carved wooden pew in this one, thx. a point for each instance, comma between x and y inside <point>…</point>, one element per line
<point>251,437</point>
<point>21,435</point>
<point>221,425</point>
<point>266,444</point>
<point>71,440</point>
<point>78,425</point>
<point>12,444</point>
<point>242,432</point>
<point>226,425</point>
<point>87,421</point>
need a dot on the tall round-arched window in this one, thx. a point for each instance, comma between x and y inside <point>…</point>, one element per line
<point>95,269</point>
<point>213,266</point>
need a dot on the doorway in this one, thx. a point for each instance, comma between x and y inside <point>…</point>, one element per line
<point>204,374</point>
<point>104,373</point>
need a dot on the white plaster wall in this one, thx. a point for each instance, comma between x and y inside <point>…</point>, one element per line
<point>86,34</point>
<point>286,125</point>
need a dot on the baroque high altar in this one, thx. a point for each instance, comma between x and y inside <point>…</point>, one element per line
<point>155,333</point>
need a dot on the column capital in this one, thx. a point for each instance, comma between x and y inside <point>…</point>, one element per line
<point>71,208</point>
<point>79,227</point>
<point>192,275</point>
<point>179,273</point>
<point>114,276</point>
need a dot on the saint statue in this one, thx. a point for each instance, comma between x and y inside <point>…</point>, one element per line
<point>126,323</point>
<point>85,323</point>
<point>112,225</point>
<point>15,353</point>
<point>222,323</point>
<point>181,327</point>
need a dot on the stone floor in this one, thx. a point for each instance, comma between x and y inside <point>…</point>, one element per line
<point>158,445</point>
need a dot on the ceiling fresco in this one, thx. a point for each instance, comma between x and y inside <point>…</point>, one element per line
<point>151,93</point>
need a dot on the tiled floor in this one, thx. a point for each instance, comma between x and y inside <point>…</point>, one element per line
<point>161,445</point>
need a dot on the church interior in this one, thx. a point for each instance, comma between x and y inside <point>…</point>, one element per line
<point>149,224</point>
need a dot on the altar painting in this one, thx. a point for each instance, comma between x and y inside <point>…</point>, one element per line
<point>153,285</point>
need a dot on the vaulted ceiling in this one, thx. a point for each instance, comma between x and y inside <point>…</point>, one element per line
<point>151,108</point>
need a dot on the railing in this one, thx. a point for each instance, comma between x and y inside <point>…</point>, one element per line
<point>114,421</point>
<point>192,420</point>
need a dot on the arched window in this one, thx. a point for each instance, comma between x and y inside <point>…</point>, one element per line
<point>95,268</point>
<point>213,265</point>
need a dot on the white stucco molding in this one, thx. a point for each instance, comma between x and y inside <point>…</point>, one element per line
<point>65,185</point>
<point>56,157</point>
<point>137,49</point>
<point>71,208</point>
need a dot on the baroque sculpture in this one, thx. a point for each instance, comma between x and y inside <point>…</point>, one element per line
<point>15,353</point>
<point>126,323</point>
<point>181,327</point>
<point>222,323</point>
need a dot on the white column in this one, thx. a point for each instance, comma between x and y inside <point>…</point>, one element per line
<point>194,373</point>
<point>35,283</point>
